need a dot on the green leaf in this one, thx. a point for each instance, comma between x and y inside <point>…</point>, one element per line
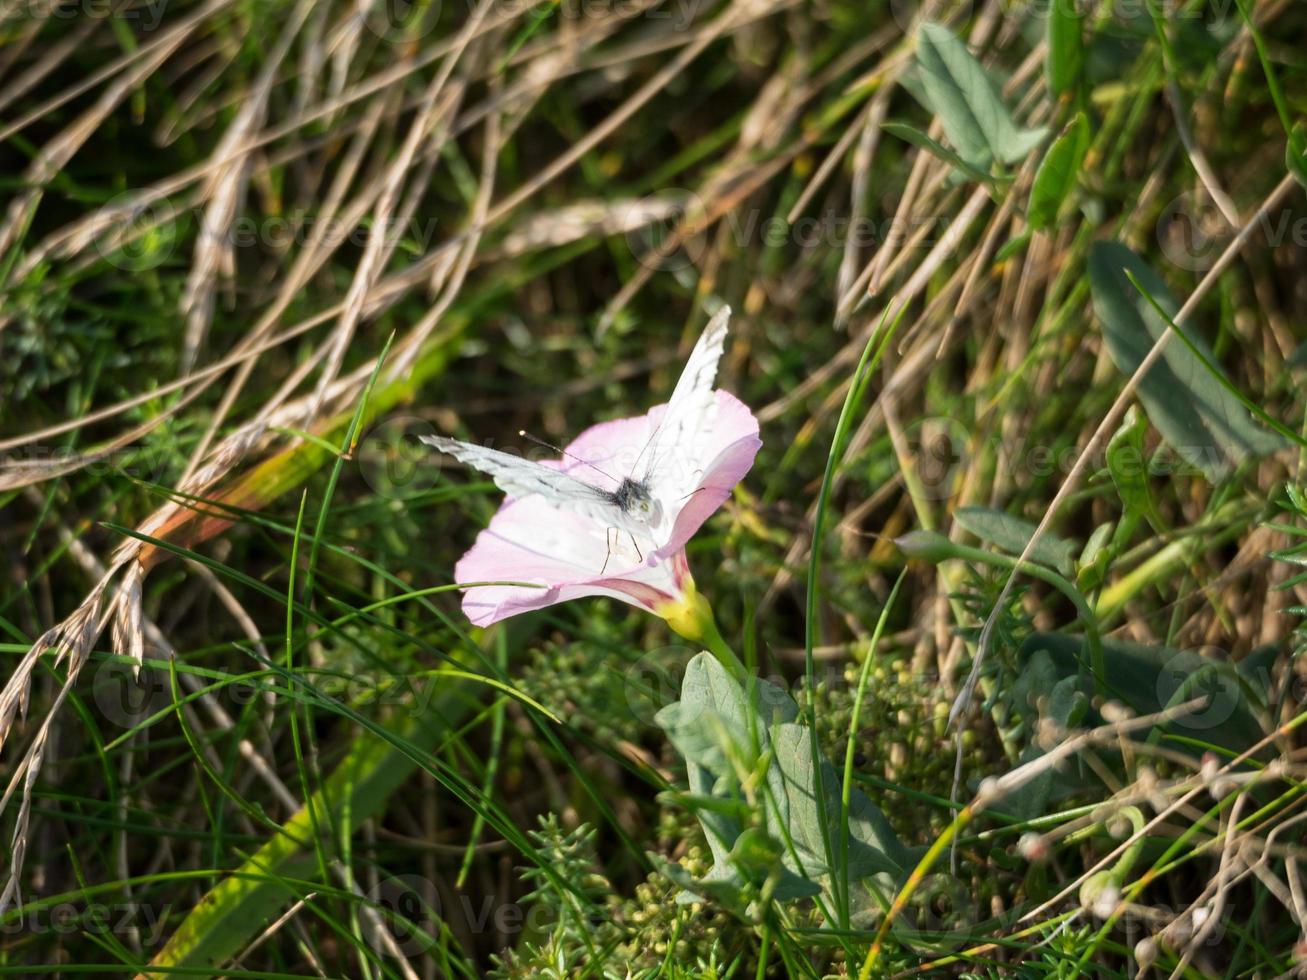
<point>1095,559</point>
<point>974,117</point>
<point>717,732</point>
<point>910,134</point>
<point>1057,174</point>
<point>1066,47</point>
<point>873,847</point>
<point>1203,422</point>
<point>1295,154</point>
<point>1128,464</point>
<point>1012,534</point>
<point>1149,678</point>
<point>727,733</point>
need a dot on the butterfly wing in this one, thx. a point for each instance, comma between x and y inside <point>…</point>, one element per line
<point>667,460</point>
<point>520,477</point>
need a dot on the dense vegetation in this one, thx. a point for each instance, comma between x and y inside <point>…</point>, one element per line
<point>1019,291</point>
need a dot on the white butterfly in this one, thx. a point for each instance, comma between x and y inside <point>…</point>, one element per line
<point>658,480</point>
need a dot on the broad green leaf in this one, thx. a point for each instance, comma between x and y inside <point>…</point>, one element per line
<point>1057,174</point>
<point>1066,47</point>
<point>717,731</point>
<point>1204,423</point>
<point>873,847</point>
<point>727,733</point>
<point>713,721</point>
<point>1149,678</point>
<point>968,103</point>
<point>1012,534</point>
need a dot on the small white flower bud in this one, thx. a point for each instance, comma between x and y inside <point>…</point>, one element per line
<point>1033,847</point>
<point>1146,952</point>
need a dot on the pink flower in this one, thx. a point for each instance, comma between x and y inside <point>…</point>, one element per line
<point>570,555</point>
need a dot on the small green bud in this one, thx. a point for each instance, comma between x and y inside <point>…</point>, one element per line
<point>930,546</point>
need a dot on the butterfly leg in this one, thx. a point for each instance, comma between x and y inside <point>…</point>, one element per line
<point>635,544</point>
<point>608,545</point>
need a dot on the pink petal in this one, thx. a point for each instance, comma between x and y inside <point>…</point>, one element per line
<point>562,553</point>
<point>733,444</point>
<point>614,449</point>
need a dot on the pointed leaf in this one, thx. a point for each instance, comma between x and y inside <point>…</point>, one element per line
<point>959,89</point>
<point>1203,422</point>
<point>873,846</point>
<point>1057,174</point>
<point>1066,47</point>
<point>1012,534</point>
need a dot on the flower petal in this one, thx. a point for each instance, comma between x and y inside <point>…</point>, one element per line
<point>567,555</point>
<point>733,444</point>
<point>564,554</point>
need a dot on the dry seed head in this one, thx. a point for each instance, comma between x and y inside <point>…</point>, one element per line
<point>1033,847</point>
<point>1146,953</point>
<point>1114,712</point>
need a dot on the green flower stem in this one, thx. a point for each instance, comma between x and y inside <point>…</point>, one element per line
<point>692,618</point>
<point>1179,554</point>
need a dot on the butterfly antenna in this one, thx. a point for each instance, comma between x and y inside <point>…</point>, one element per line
<point>563,452</point>
<point>648,442</point>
